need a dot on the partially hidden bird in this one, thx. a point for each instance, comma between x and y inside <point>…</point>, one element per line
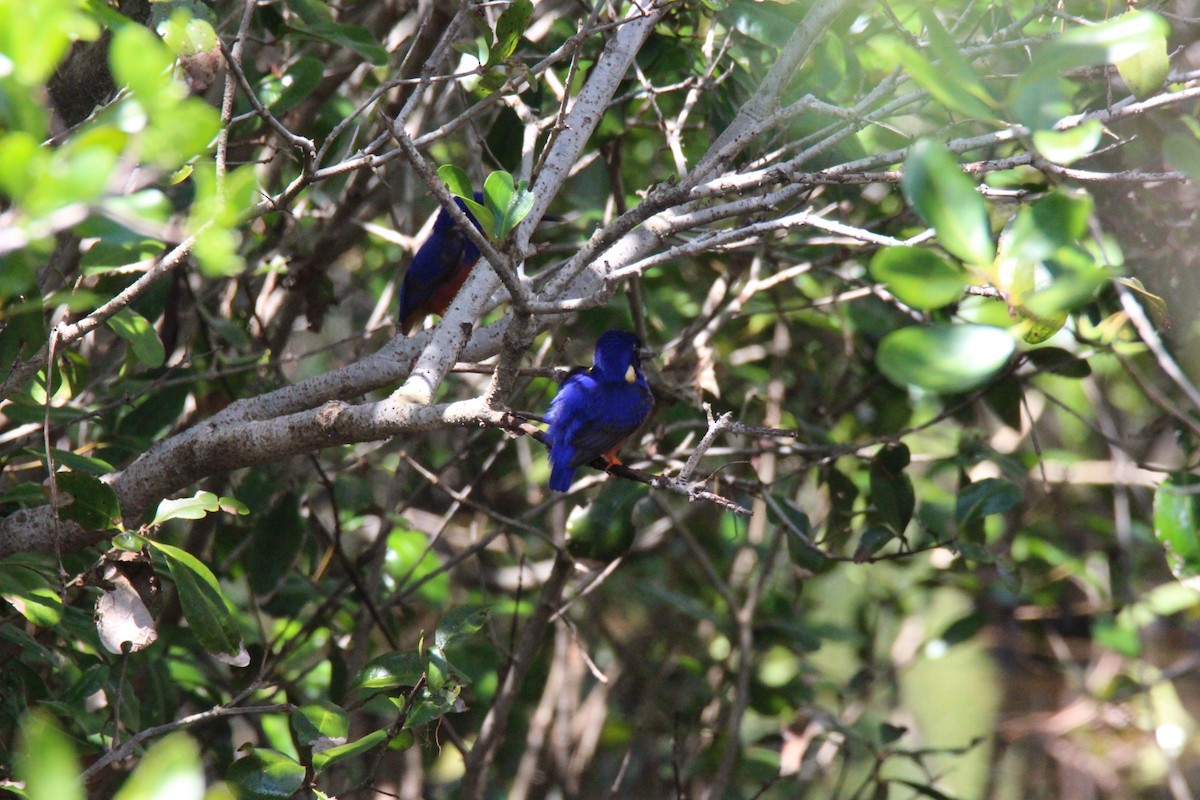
<point>439,269</point>
<point>597,409</point>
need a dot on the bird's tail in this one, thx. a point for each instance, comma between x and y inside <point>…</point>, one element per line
<point>561,477</point>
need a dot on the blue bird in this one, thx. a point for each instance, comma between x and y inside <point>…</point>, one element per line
<point>439,269</point>
<point>596,410</point>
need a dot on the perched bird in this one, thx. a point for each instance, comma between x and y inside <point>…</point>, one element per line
<point>597,409</point>
<point>438,270</point>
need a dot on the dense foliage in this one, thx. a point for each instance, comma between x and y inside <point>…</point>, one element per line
<point>913,514</point>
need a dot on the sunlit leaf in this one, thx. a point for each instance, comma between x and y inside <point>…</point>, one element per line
<point>1068,146</point>
<point>320,720</point>
<point>335,755</point>
<point>198,506</point>
<point>947,199</point>
<point>143,339</point>
<point>203,603</point>
<point>918,277</point>
<point>944,358</point>
<point>170,770</point>
<point>392,670</point>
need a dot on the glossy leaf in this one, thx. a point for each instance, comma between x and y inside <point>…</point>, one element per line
<point>319,721</point>
<point>984,498</point>
<point>1068,146</point>
<point>334,755</point>
<point>944,358</point>
<point>198,506</point>
<point>892,497</point>
<point>264,774</point>
<point>509,28</point>
<point>143,339</point>
<point>1050,223</point>
<point>1176,522</point>
<point>1113,41</point>
<point>1059,362</point>
<point>918,277</point>
<point>204,605</point>
<point>459,623</point>
<point>30,591</point>
<point>947,199</point>
<point>1182,153</point>
<point>92,503</point>
<point>392,671</point>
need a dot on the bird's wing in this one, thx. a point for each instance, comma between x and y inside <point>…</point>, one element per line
<point>607,419</point>
<point>437,261</point>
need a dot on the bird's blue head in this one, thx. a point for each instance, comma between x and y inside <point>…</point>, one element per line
<point>618,357</point>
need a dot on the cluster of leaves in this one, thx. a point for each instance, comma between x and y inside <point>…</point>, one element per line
<point>913,496</point>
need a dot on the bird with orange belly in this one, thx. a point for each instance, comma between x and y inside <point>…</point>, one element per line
<point>596,410</point>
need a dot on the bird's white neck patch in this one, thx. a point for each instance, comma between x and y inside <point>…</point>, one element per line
<point>630,375</point>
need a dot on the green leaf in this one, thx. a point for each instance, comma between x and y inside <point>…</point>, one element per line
<point>974,551</point>
<point>1182,153</point>
<point>46,760</point>
<point>984,498</point>
<point>392,671</point>
<point>1050,223</point>
<point>297,84</point>
<point>170,770</point>
<point>143,339</point>
<point>498,193</point>
<point>1176,522</point>
<point>320,720</point>
<point>352,37</point>
<point>264,774</point>
<point>798,529</point>
<point>892,497</point>
<point>334,755</point>
<point>204,605</point>
<point>1119,39</point>
<point>947,199</point>
<point>918,277</point>
<point>603,529</point>
<point>1035,328</point>
<point>456,180</point>
<point>1059,362</point>
<point>143,63</point>
<point>437,669</point>
<point>944,358</point>
<point>964,629</point>
<point>198,506</point>
<point>459,623</point>
<point>1004,398</point>
<point>956,86</point>
<point>31,591</point>
<point>1145,70</point>
<point>186,34</point>
<point>509,28</point>
<point>93,503</point>
<point>873,540</point>
<point>889,733</point>
<point>1068,146</point>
